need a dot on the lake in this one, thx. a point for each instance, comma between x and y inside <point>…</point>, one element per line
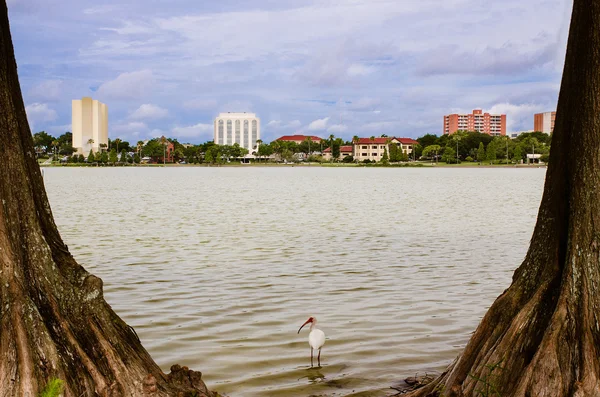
<point>217,268</point>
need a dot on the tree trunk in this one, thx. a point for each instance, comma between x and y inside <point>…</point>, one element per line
<point>541,337</point>
<point>54,321</point>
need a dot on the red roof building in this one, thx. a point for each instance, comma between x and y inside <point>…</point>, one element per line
<point>345,151</point>
<point>299,138</point>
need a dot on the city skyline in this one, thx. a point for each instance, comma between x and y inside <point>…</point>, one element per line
<point>369,73</point>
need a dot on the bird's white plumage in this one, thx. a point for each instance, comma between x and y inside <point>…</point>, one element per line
<point>316,338</point>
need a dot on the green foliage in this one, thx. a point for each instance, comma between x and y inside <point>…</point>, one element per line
<point>449,155</point>
<point>348,159</point>
<point>490,153</point>
<point>91,157</point>
<point>469,158</point>
<point>42,141</point>
<point>394,152</point>
<point>431,150</point>
<point>104,157</point>
<point>136,158</point>
<point>481,152</point>
<point>123,156</point>
<point>112,158</point>
<point>518,153</point>
<point>385,158</point>
<point>54,388</point>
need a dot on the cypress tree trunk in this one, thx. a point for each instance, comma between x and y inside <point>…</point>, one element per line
<point>544,330</point>
<point>54,321</point>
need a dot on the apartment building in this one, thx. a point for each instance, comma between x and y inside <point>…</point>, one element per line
<point>544,122</point>
<point>491,124</point>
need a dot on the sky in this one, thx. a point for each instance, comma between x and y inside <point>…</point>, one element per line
<point>344,67</point>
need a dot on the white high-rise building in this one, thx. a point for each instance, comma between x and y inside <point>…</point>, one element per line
<point>89,125</point>
<point>240,128</point>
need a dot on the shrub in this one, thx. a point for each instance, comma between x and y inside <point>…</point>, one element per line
<point>469,158</point>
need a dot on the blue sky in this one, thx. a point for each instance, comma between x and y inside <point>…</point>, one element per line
<point>347,67</point>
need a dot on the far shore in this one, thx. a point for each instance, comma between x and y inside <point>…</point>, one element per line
<point>325,165</point>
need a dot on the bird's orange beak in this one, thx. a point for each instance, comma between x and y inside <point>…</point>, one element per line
<point>307,321</point>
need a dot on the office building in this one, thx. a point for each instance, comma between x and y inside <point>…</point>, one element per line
<point>89,125</point>
<point>241,128</point>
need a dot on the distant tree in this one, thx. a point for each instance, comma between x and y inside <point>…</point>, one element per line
<point>81,158</point>
<point>112,158</point>
<point>123,156</point>
<point>449,155</point>
<point>428,140</point>
<point>42,141</point>
<point>394,153</point>
<point>432,149</point>
<point>385,160</point>
<point>481,152</point>
<point>490,153</point>
<point>136,158</point>
<point>91,158</point>
<point>104,157</point>
<point>66,149</point>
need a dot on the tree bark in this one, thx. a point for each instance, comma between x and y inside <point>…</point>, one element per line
<point>54,321</point>
<point>541,337</point>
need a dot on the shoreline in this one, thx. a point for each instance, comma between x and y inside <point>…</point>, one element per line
<point>300,165</point>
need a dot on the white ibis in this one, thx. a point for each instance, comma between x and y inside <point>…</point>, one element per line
<point>316,339</point>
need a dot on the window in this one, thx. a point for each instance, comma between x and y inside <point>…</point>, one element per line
<point>220,134</point>
<point>364,155</point>
<point>238,133</point>
<point>229,132</point>
<point>374,147</point>
<point>254,132</point>
<point>365,147</point>
<point>374,154</point>
<point>246,132</point>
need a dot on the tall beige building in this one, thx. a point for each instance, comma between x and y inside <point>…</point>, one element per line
<point>89,125</point>
<point>240,128</point>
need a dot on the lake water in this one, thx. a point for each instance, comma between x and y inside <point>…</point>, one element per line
<point>217,268</point>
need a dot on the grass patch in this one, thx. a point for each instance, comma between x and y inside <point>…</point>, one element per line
<point>54,388</point>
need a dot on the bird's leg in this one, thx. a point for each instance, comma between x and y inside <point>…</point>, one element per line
<point>319,358</point>
<point>311,357</point>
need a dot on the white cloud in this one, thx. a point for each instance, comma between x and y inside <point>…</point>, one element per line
<point>383,126</point>
<point>40,113</point>
<point>337,128</point>
<point>130,85</point>
<point>294,124</point>
<point>357,69</point>
<point>48,90</point>
<point>148,111</point>
<point>518,117</point>
<point>280,125</point>
<point>200,104</point>
<point>194,131</point>
<point>319,124</point>
<point>129,127</point>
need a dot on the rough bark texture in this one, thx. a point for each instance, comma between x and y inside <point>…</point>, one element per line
<point>544,329</point>
<point>54,321</point>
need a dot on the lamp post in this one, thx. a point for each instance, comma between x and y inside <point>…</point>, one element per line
<point>457,139</point>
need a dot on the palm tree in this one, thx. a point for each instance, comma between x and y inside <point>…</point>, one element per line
<point>117,141</point>
<point>90,141</point>
<point>103,146</point>
<point>140,145</point>
<point>163,140</point>
<point>55,143</point>
<point>258,143</point>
